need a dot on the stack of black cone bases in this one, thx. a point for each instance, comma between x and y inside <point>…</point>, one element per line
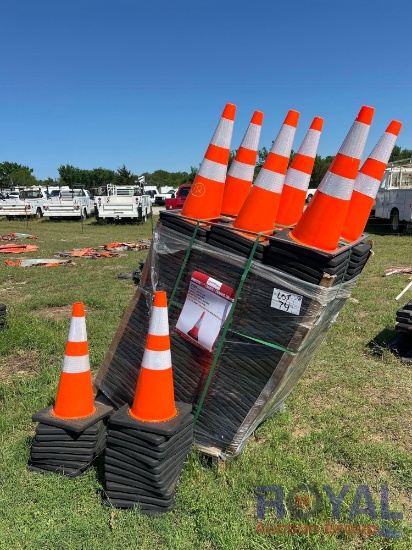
<point>312,265</point>
<point>278,250</point>
<point>72,433</point>
<point>2,316</point>
<point>184,225</point>
<point>143,460</point>
<point>66,447</point>
<point>402,344</point>
<point>404,319</point>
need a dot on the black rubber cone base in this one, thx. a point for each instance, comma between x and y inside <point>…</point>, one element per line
<point>152,462</point>
<point>88,434</point>
<point>122,418</point>
<point>112,473</point>
<point>128,469</point>
<point>180,224</point>
<point>164,468</point>
<point>132,445</point>
<point>129,489</point>
<point>52,443</point>
<point>77,425</point>
<point>150,440</point>
<point>59,452</point>
<point>74,464</point>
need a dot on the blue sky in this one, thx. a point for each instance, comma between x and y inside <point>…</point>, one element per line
<point>110,82</point>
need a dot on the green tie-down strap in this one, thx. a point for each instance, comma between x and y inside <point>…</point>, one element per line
<point>226,326</point>
<point>189,249</point>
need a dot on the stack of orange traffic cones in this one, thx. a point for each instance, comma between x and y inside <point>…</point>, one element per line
<point>259,210</point>
<point>367,183</point>
<point>321,223</point>
<point>240,176</point>
<point>205,198</point>
<point>298,176</point>
<point>148,443</point>
<point>72,432</point>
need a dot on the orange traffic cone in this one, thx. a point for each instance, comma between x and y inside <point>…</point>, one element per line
<point>367,183</point>
<point>321,223</point>
<point>75,408</point>
<point>205,198</point>
<point>298,175</point>
<point>75,393</point>
<point>240,176</point>
<point>194,332</point>
<point>259,210</point>
<point>154,398</point>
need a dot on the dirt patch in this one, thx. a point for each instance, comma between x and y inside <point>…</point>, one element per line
<point>21,364</point>
<point>58,313</point>
<point>300,432</point>
<point>12,291</point>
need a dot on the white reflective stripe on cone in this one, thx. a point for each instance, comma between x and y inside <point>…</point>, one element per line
<point>383,149</point>
<point>297,179</point>
<point>241,170</point>
<point>77,330</point>
<point>159,323</point>
<point>223,133</point>
<point>310,144</point>
<point>284,141</point>
<point>366,185</point>
<point>354,142</point>
<point>251,138</point>
<point>157,360</point>
<point>76,363</point>
<point>271,181</point>
<point>336,186</point>
<point>213,170</point>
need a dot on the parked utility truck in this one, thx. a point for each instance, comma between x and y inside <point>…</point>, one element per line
<point>394,199</point>
<point>120,202</point>
<point>69,203</point>
<point>29,202</point>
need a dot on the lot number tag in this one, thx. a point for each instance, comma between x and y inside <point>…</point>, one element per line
<point>286,301</point>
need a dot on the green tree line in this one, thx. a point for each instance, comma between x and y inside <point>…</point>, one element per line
<point>13,174</point>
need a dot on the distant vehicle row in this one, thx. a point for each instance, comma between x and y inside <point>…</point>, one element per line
<point>111,203</point>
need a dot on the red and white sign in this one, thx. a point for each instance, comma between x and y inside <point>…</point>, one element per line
<point>205,310</point>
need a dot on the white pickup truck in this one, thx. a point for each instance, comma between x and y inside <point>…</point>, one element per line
<point>394,198</point>
<point>69,203</point>
<point>29,202</point>
<point>122,202</point>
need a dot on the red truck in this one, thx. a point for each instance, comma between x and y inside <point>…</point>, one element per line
<point>178,201</point>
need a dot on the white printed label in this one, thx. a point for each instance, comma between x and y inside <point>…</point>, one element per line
<point>286,301</point>
<point>213,283</point>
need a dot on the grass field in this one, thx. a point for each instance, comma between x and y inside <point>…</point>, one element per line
<point>348,421</point>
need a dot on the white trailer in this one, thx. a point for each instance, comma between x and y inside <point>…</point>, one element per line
<point>29,202</point>
<point>122,202</point>
<point>394,199</point>
<point>70,203</point>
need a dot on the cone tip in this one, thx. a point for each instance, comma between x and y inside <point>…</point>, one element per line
<point>394,127</point>
<point>365,114</point>
<point>78,309</point>
<point>292,118</point>
<point>257,118</point>
<point>317,124</point>
<point>229,111</point>
<point>160,299</point>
